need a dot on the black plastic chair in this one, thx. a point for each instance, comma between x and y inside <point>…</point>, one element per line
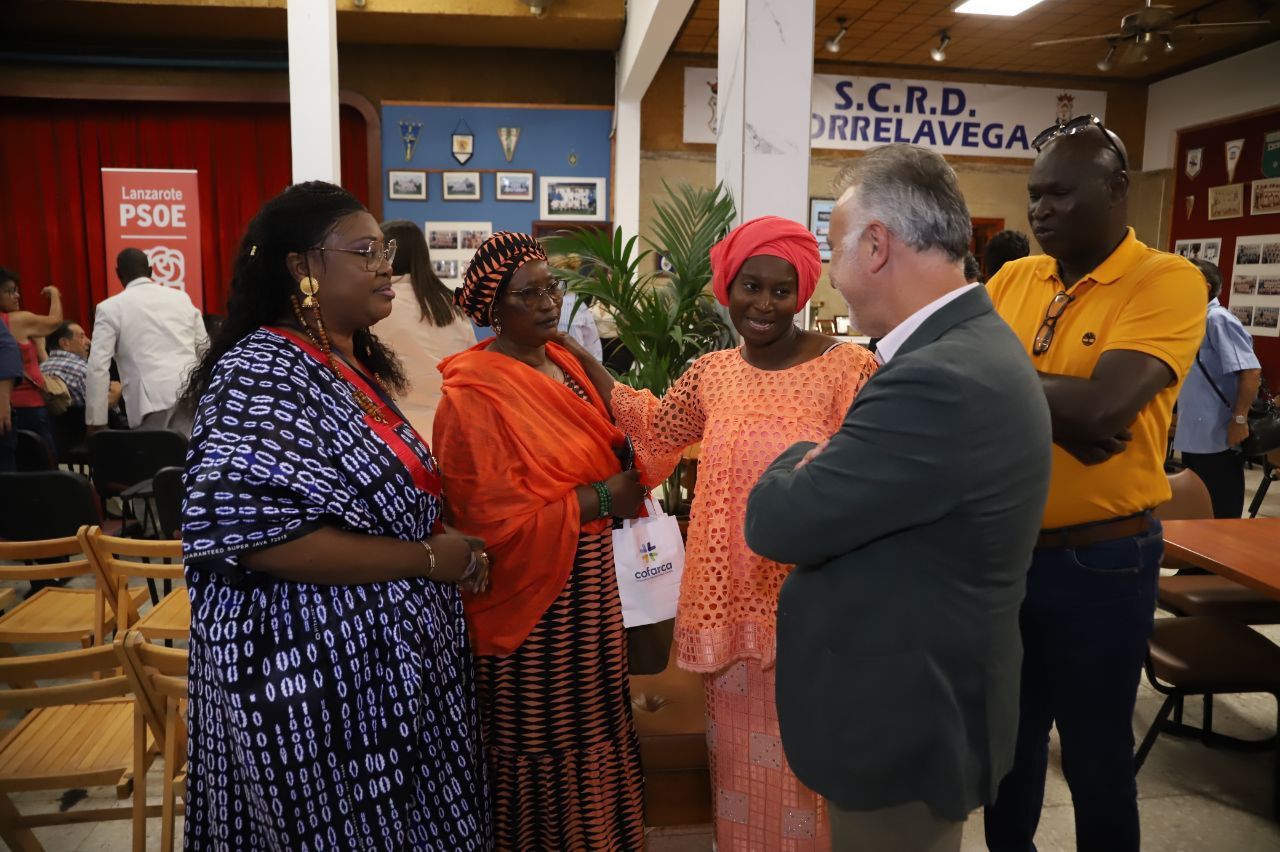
<point>33,453</point>
<point>69,435</point>
<point>124,462</point>
<point>45,504</point>
<point>169,492</point>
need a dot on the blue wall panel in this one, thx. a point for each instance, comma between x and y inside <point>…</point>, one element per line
<point>547,136</point>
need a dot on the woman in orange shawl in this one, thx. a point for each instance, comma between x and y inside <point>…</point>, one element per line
<point>533,467</point>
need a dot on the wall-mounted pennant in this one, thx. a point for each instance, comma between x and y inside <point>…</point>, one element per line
<point>1271,154</point>
<point>1234,148</point>
<point>1191,203</point>
<point>1195,159</point>
<point>409,132</point>
<point>509,136</point>
<point>464,143</point>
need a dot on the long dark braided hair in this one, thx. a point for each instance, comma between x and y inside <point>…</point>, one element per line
<point>295,220</point>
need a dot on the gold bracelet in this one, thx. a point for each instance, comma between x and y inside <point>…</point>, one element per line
<point>431,554</point>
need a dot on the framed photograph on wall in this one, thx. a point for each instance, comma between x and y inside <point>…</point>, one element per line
<point>1205,249</point>
<point>453,245</point>
<point>1265,197</point>
<point>473,238</point>
<point>443,238</point>
<point>820,223</point>
<point>1226,202</point>
<point>406,185</point>
<point>573,198</point>
<point>446,269</point>
<point>513,186</point>
<point>460,186</point>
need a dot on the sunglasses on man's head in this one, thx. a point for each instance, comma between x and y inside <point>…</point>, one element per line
<point>1076,125</point>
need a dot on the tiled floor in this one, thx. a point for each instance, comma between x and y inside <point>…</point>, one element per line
<point>1192,798</point>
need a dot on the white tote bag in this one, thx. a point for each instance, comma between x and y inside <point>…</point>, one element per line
<point>649,556</point>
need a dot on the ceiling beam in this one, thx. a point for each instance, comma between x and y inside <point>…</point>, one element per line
<point>651,29</point>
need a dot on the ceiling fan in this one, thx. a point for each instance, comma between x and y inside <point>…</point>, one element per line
<point>1150,25</point>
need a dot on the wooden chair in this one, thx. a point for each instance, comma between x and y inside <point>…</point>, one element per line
<point>158,676</point>
<point>53,614</point>
<point>117,560</point>
<point>8,597</point>
<point>76,735</point>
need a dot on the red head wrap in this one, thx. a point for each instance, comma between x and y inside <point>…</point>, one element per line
<point>773,236</point>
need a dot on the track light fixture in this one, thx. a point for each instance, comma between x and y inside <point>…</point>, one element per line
<point>939,53</point>
<point>1104,64</point>
<point>833,43</point>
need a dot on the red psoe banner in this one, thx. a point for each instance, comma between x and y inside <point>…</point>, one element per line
<point>158,211</point>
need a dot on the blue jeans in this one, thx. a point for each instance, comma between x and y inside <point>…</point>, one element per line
<point>1085,624</point>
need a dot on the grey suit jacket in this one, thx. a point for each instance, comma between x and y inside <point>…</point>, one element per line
<point>898,642</point>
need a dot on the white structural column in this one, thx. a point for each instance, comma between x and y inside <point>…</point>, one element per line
<point>313,90</point>
<point>651,27</point>
<point>764,81</point>
<point>626,166</point>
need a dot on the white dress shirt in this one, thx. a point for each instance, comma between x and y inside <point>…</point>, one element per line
<point>892,342</point>
<point>156,336</point>
<point>583,328</point>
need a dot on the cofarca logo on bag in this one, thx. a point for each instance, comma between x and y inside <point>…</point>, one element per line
<point>649,555</point>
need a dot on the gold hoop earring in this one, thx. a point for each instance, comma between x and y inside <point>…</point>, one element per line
<point>309,287</point>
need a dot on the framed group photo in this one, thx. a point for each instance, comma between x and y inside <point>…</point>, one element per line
<point>406,185</point>
<point>1226,202</point>
<point>573,198</point>
<point>1264,198</point>
<point>513,186</point>
<point>460,186</point>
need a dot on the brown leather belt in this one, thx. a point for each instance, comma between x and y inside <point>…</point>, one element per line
<point>1087,534</point>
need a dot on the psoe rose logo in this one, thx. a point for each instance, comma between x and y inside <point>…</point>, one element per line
<point>168,266</point>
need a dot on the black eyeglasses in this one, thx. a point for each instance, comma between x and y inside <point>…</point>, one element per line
<point>1045,335</point>
<point>1077,125</point>
<point>531,296</point>
<point>374,253</point>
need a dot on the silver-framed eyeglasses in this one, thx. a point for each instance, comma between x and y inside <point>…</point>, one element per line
<point>374,254</point>
<point>531,296</point>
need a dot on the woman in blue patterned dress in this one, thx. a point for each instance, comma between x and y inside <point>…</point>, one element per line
<point>332,692</point>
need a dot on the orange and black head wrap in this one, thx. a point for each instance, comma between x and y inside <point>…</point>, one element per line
<point>491,269</point>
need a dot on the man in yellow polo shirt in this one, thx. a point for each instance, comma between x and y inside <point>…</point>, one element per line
<point>1113,327</point>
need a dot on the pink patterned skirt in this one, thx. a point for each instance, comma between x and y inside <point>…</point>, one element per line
<point>759,803</point>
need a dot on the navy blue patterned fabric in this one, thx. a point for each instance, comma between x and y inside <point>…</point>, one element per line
<point>321,717</point>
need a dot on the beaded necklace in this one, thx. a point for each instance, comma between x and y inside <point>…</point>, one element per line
<point>367,405</point>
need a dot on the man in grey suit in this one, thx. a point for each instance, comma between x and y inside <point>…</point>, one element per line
<point>912,528</point>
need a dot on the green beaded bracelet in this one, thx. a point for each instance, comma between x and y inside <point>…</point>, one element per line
<point>606,499</point>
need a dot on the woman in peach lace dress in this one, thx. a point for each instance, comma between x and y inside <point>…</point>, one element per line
<point>745,406</point>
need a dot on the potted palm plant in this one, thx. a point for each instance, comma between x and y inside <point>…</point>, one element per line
<point>666,318</point>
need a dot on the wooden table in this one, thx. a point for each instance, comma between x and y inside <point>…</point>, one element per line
<point>1245,550</point>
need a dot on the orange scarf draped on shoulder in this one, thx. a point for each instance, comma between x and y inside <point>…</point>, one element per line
<point>512,445</point>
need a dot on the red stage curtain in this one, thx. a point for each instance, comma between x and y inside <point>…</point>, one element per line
<point>51,153</point>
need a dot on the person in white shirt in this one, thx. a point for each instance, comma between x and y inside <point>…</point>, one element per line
<point>577,320</point>
<point>156,335</point>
